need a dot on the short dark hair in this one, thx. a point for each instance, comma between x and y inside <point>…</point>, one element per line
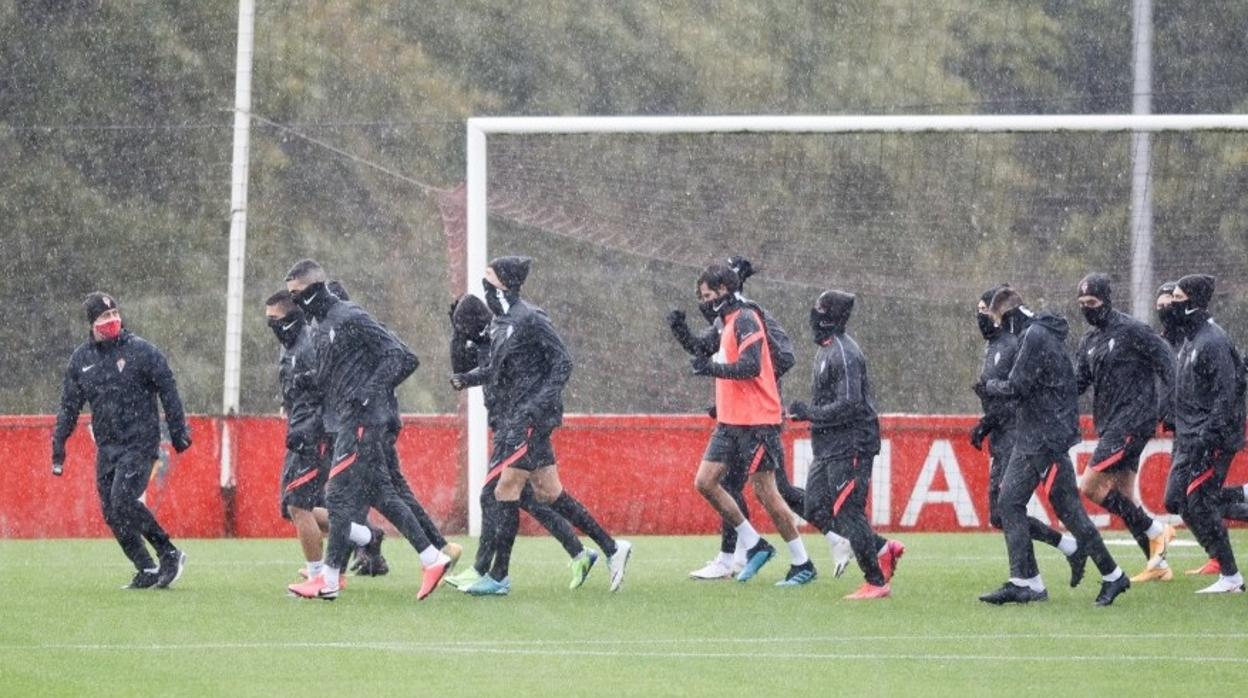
<point>717,275</point>
<point>305,268</point>
<point>282,297</point>
<point>1005,300</point>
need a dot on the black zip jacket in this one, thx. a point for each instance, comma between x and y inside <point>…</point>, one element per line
<point>1043,382</point>
<point>843,421</point>
<point>998,421</point>
<point>1208,402</point>
<point>121,380</point>
<point>1123,361</point>
<point>296,372</point>
<point>527,369</point>
<point>359,363</point>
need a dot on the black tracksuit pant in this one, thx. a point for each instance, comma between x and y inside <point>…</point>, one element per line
<point>120,479</point>
<point>1038,530</point>
<point>836,500</point>
<point>404,491</point>
<point>359,478</point>
<point>1193,491</point>
<point>1056,473</point>
<point>549,519</point>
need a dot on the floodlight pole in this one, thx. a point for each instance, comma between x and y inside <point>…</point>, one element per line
<point>238,226</point>
<point>1141,165</point>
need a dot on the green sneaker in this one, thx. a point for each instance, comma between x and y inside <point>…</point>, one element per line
<point>581,565</point>
<point>463,580</point>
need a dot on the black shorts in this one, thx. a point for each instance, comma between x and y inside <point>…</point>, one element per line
<point>303,479</point>
<point>1118,453</point>
<point>529,449</point>
<point>755,448</point>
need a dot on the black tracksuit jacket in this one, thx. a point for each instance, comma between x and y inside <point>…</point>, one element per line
<point>1000,352</point>
<point>843,421</point>
<point>1208,398</point>
<point>1123,361</point>
<point>296,372</point>
<point>1043,382</point>
<point>121,380</point>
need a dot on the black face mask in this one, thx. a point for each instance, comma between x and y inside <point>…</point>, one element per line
<point>823,327</point>
<point>1186,317</point>
<point>986,327</point>
<point>1098,316</point>
<point>498,300</point>
<point>315,300</point>
<point>707,308</point>
<point>1170,320</point>
<point>288,328</point>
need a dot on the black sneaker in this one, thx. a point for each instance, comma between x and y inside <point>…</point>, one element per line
<point>171,564</point>
<point>1111,590</point>
<point>373,566</point>
<point>1012,593</point>
<point>755,558</point>
<point>799,575</point>
<point>1077,560</point>
<point>143,579</point>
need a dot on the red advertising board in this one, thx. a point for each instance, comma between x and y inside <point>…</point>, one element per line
<point>635,472</point>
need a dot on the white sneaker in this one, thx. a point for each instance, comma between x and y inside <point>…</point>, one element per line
<point>1225,585</point>
<point>738,562</point>
<point>842,554</point>
<point>713,570</point>
<point>619,562</point>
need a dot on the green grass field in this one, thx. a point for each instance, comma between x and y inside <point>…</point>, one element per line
<point>228,628</point>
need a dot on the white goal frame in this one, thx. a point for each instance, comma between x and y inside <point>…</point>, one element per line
<point>480,128</point>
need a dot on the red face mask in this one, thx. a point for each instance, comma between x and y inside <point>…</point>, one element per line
<point>109,329</point>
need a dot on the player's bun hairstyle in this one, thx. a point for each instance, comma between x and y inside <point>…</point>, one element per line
<point>717,275</point>
<point>1004,300</point>
<point>743,268</point>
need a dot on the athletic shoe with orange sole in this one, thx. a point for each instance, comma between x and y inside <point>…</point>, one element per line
<point>1156,574</point>
<point>870,591</point>
<point>314,589</point>
<point>1210,567</point>
<point>889,557</point>
<point>1157,547</point>
<point>432,575</point>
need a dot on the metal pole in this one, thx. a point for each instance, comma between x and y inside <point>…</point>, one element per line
<point>1141,165</point>
<point>475,260</point>
<point>238,235</point>
<point>238,207</point>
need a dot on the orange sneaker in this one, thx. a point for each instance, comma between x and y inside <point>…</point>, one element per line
<point>889,557</point>
<point>432,575</point>
<point>870,591</point>
<point>1210,567</point>
<point>314,589</point>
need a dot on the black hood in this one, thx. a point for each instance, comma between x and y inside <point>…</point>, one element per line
<point>1054,323</point>
<point>1199,289</point>
<point>831,314</point>
<point>471,317</point>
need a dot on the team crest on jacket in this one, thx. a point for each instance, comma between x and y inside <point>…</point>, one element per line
<point>1111,343</point>
<point>121,365</point>
<point>996,359</point>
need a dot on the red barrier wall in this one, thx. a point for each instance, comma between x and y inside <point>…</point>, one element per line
<point>635,472</point>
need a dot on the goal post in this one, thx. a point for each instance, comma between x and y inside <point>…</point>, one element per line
<point>481,129</point>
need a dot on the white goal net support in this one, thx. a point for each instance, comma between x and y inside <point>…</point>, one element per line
<point>918,215</point>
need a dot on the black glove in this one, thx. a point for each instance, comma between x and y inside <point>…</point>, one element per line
<point>712,411</point>
<point>181,442</point>
<point>295,441</point>
<point>799,412</point>
<point>978,432</point>
<point>980,389</point>
<point>676,319</point>
<point>458,382</point>
<point>701,365</point>
<point>57,468</point>
<point>450,313</point>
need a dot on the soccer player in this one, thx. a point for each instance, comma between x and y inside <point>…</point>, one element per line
<point>1047,424</point>
<point>747,431</point>
<point>120,375</point>
<point>845,436</point>
<point>1123,361</point>
<point>302,500</point>
<point>527,369</point>
<point>997,425</point>
<point>359,364</point>
<point>470,348</point>
<point>1208,410</point>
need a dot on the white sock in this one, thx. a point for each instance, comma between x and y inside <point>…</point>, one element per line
<point>1033,583</point>
<point>1155,529</point>
<point>1113,576</point>
<point>1163,565</point>
<point>834,539</point>
<point>738,558</point>
<point>1245,488</point>
<point>798,550</point>
<point>360,535</point>
<point>724,559</point>
<point>330,573</point>
<point>315,568</point>
<point>1068,545</point>
<point>747,537</point>
<point>429,556</point>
